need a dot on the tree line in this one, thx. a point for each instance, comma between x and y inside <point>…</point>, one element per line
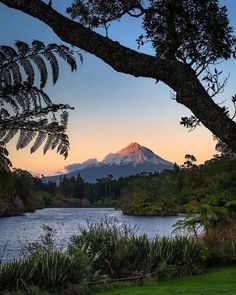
<point>183,189</point>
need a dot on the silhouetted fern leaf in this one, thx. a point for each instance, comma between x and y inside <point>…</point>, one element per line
<point>10,134</point>
<point>26,108</point>
<point>54,65</point>
<point>15,72</point>
<point>38,60</point>
<point>39,140</point>
<point>29,70</point>
<point>49,142</point>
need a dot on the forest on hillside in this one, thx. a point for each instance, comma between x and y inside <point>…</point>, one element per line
<point>186,188</point>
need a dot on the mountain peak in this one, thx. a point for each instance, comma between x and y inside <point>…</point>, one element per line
<point>133,145</point>
<point>130,160</point>
<point>133,154</point>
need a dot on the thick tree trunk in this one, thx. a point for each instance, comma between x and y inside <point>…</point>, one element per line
<point>178,76</point>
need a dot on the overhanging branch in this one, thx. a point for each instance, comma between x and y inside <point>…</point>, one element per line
<point>178,76</point>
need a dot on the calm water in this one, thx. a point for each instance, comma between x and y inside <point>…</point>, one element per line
<point>18,230</point>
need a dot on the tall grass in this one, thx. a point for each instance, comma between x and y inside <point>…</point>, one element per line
<point>46,267</point>
<point>122,253</point>
<point>49,270</point>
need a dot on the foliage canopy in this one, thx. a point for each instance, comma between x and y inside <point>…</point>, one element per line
<point>191,31</point>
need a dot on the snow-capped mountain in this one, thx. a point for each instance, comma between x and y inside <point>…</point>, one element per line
<point>133,154</point>
<point>129,161</point>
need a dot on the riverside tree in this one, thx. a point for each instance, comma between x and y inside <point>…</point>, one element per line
<point>189,38</point>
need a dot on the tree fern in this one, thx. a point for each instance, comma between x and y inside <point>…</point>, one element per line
<point>25,107</point>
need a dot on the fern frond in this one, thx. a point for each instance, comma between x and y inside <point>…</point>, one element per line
<point>29,70</point>
<point>21,99</point>
<point>6,77</point>
<point>26,136</point>
<point>64,119</point>
<point>63,148</point>
<point>54,65</point>
<point>2,133</point>
<point>16,74</point>
<point>22,47</point>
<point>45,97</point>
<point>8,52</point>
<point>37,46</point>
<point>10,101</point>
<point>10,134</point>
<point>2,58</point>
<point>39,140</point>
<point>26,108</point>
<point>68,58</point>
<point>55,143</point>
<point>22,135</point>
<point>49,142</point>
<point>65,53</point>
<point>42,69</point>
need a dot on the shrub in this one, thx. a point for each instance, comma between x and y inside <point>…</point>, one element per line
<point>166,271</point>
<point>131,256</point>
<point>190,255</point>
<point>46,266</point>
<point>221,244</point>
<point>187,254</point>
<point>122,253</point>
<point>49,270</point>
<point>107,241</point>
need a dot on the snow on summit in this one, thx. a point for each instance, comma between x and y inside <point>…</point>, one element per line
<point>133,154</point>
<point>130,160</point>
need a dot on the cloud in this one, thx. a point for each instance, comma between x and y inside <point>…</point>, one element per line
<point>79,166</point>
<point>59,172</point>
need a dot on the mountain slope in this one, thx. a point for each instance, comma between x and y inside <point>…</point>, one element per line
<point>129,161</point>
<point>134,154</point>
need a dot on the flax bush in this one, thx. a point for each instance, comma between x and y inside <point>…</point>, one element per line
<point>122,253</point>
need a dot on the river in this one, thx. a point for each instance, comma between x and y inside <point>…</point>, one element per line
<point>16,231</point>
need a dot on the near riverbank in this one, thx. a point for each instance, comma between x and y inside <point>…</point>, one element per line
<point>216,281</point>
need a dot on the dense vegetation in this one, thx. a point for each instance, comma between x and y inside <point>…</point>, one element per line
<point>106,250</point>
<point>184,189</point>
<point>21,192</point>
<point>188,188</point>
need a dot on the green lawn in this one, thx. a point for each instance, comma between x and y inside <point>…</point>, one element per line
<point>215,282</point>
<point>220,281</point>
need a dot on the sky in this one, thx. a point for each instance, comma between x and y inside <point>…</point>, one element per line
<point>111,109</point>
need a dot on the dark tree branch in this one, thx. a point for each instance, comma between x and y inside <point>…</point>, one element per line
<point>178,76</point>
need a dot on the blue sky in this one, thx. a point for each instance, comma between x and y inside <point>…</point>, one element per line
<point>111,109</point>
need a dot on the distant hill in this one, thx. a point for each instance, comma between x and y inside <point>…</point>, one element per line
<point>129,161</point>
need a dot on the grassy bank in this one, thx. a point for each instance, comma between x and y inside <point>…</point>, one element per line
<point>220,281</point>
<point>216,281</point>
